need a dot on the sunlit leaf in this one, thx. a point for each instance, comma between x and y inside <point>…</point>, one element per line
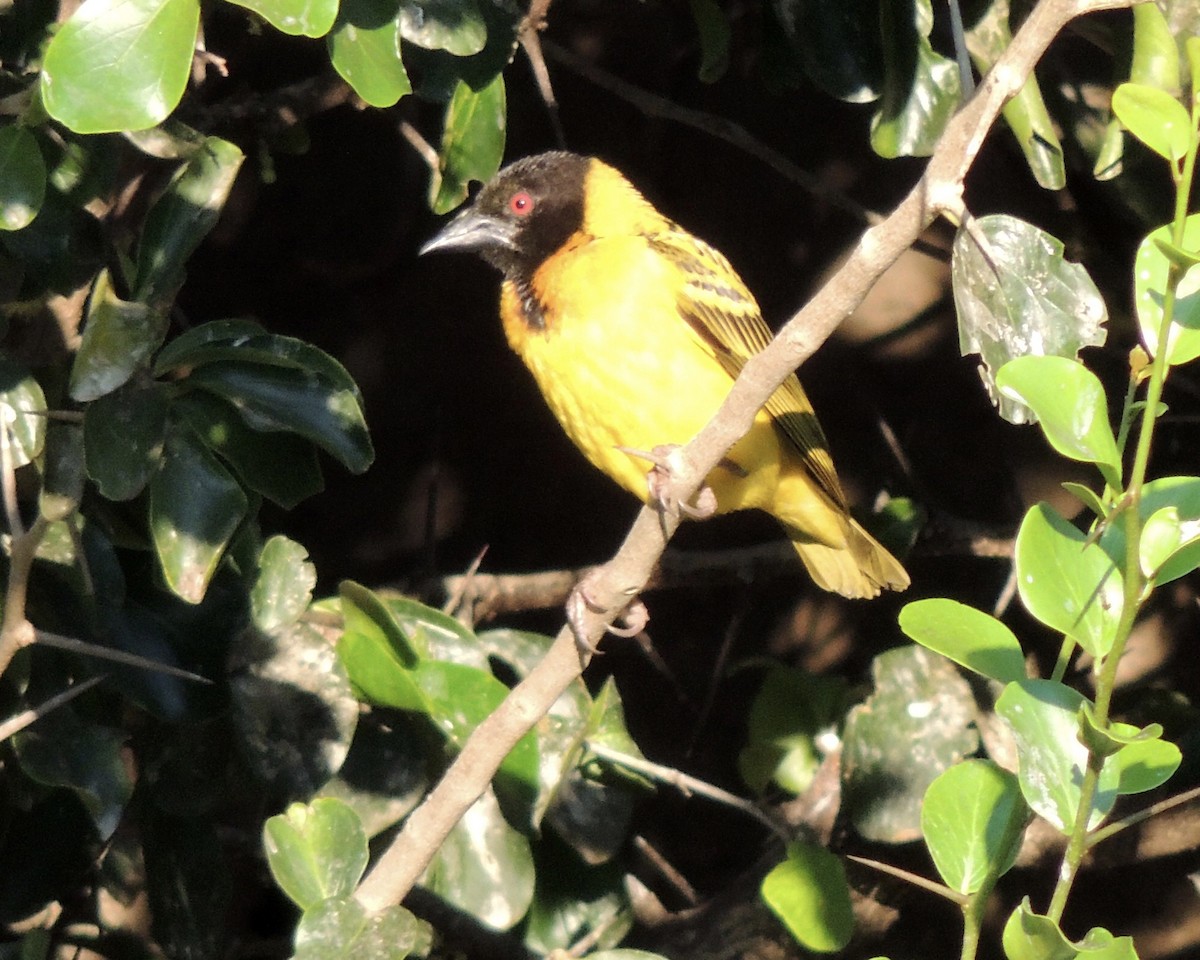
<point>284,585</point>
<point>456,26</point>
<point>1154,117</point>
<point>967,636</point>
<point>22,412</point>
<point>364,49</point>
<point>472,143</point>
<point>316,850</point>
<point>809,893</point>
<point>1150,277</point>
<point>120,336</point>
<point>306,18</point>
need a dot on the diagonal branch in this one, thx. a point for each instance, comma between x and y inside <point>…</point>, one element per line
<point>619,580</point>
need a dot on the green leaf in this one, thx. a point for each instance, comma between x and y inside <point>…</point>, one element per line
<point>120,337</point>
<point>1019,297</point>
<point>1154,117</point>
<point>712,27</point>
<point>22,411</point>
<point>484,867</point>
<point>341,927</point>
<point>182,217</point>
<point>1030,936</point>
<point>195,506</point>
<point>22,177</point>
<point>63,471</point>
<point>1151,272</point>
<point>364,48</point>
<point>1067,583</point>
<point>1144,762</point>
<point>299,18</point>
<point>456,26</point>
<point>972,819</point>
<point>967,636</point>
<point>791,708</point>
<point>280,466</point>
<point>368,620</point>
<point>61,750</point>
<point>809,893</point>
<point>472,143</point>
<point>836,42</point>
<point>921,88</point>
<point>120,64</point>
<point>316,851</point>
<point>1181,494</point>
<point>123,435</point>
<point>184,349</point>
<point>1087,496</point>
<point>283,588</point>
<point>1069,402</point>
<point>438,635</point>
<point>919,698</point>
<point>272,398</point>
<point>1044,718</point>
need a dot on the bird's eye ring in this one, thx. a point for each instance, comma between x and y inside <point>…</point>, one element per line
<point>521,204</point>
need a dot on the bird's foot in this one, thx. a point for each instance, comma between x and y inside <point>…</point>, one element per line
<point>634,616</point>
<point>666,467</point>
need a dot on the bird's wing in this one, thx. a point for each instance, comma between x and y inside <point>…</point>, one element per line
<point>722,312</point>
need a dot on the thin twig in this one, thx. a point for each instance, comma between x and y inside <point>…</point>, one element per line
<point>19,721</point>
<point>83,648</point>
<point>932,886</point>
<point>529,33</point>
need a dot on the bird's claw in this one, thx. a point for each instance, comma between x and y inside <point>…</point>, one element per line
<point>666,466</point>
<point>634,616</point>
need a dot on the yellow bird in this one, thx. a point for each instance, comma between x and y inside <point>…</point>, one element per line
<point>635,330</point>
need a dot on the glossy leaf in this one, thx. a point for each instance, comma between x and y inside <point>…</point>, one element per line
<point>573,901</point>
<point>283,588</point>
<point>300,18</point>
<point>364,49</point>
<point>22,177</point>
<point>967,636</point>
<point>316,851</point>
<point>273,398</point>
<point>1069,402</point>
<point>1070,585</point>
<point>182,217</point>
<point>1044,718</point>
<point>921,88</point>
<point>195,506</point>
<point>837,42</point>
<point>120,64</point>
<point>972,819</point>
<point>1154,117</point>
<point>809,893</point>
<point>1150,276</point>
<point>1030,936</point>
<point>341,927</point>
<point>484,867</point>
<point>22,411</point>
<point>917,723</point>
<point>280,466</point>
<point>120,337</point>
<point>437,634</point>
<point>1181,494</point>
<point>1144,762</point>
<point>189,348</point>
<point>123,434</point>
<point>1020,297</point>
<point>472,143</point>
<point>456,26</point>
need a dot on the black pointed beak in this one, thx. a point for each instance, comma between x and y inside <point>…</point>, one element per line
<point>472,231</point>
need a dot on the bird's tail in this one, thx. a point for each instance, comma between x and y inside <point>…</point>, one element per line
<point>860,568</point>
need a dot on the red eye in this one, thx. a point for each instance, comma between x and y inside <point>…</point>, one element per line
<point>521,204</point>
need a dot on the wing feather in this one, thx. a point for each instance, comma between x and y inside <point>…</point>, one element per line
<point>724,315</point>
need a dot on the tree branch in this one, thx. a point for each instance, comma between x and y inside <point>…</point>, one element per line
<point>619,580</point>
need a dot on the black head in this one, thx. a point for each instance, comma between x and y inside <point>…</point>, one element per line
<point>523,215</point>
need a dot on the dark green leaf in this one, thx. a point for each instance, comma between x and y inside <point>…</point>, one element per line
<point>1019,297</point>
<point>120,337</point>
<point>22,177</point>
<point>809,893</point>
<point>302,18</point>
<point>917,723</point>
<point>364,48</point>
<point>472,143</point>
<point>1151,273</point>
<point>967,636</point>
<point>283,399</point>
<point>280,466</point>
<point>63,471</point>
<point>972,819</point>
<point>182,217</point>
<point>484,867</point>
<point>1069,584</point>
<point>316,851</point>
<point>182,351</point>
<point>283,588</point>
<point>573,901</point>
<point>195,506</point>
<point>713,28</point>
<point>123,436</point>
<point>120,64</point>
<point>456,26</point>
<point>838,43</point>
<point>22,410</point>
<point>921,88</point>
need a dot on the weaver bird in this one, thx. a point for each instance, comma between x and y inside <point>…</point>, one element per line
<point>635,330</point>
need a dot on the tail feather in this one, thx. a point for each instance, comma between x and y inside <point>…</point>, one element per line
<point>858,569</point>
